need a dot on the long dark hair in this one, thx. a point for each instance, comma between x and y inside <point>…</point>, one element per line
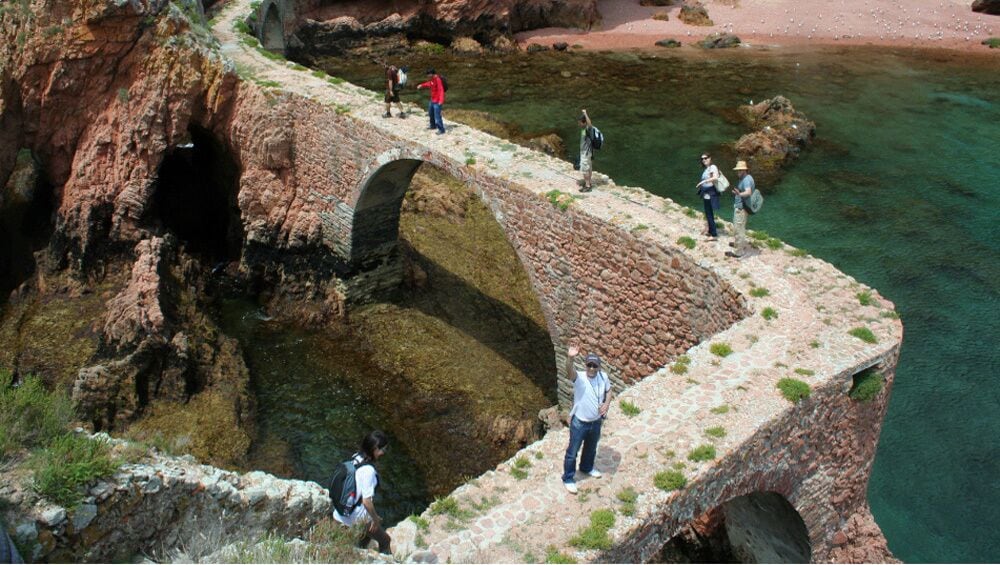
<point>375,439</point>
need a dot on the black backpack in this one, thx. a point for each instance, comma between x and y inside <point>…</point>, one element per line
<point>444,82</point>
<point>344,488</point>
<point>596,138</point>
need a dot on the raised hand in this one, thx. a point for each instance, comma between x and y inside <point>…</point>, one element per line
<point>573,351</point>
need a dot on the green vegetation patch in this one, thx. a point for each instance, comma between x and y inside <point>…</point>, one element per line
<point>421,522</point>
<point>520,468</point>
<point>721,349</point>
<point>793,390</point>
<point>560,199</point>
<point>553,555</point>
<point>992,42</point>
<point>722,409</point>
<point>759,292</point>
<point>864,334</point>
<point>716,432</point>
<point>30,416</point>
<point>686,242</point>
<point>769,313</point>
<point>865,298</point>
<point>69,463</point>
<point>629,409</point>
<point>670,480</point>
<point>867,385</point>
<point>797,252</point>
<point>595,536</point>
<point>628,498</point>
<point>704,452</point>
<point>681,365</point>
<point>804,372</point>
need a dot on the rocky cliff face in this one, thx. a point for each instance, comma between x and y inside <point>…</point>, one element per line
<point>163,177</point>
<point>328,28</point>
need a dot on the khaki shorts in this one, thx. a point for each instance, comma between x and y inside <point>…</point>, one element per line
<point>585,164</point>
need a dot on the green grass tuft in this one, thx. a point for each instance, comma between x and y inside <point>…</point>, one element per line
<point>864,334</point>
<point>793,390</point>
<point>522,463</point>
<point>723,409</point>
<point>804,372</point>
<point>519,474</point>
<point>865,298</point>
<point>686,241</point>
<point>669,480</point>
<point>716,432</point>
<point>769,313</point>
<point>30,416</point>
<point>560,199</point>
<point>596,535</point>
<point>721,349</point>
<point>867,386</point>
<point>705,452</point>
<point>679,368</point>
<point>69,463</point>
<point>553,555</point>
<point>629,409</point>
<point>992,42</point>
<point>759,292</point>
<point>421,522</point>
<point>627,494</point>
<point>798,252</point>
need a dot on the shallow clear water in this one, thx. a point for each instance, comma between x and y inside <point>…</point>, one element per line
<point>900,191</point>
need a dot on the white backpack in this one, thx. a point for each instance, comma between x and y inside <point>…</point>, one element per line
<point>401,78</point>
<point>721,184</point>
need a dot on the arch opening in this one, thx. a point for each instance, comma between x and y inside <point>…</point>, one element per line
<point>272,30</point>
<point>27,207</point>
<point>760,527</point>
<point>195,198</point>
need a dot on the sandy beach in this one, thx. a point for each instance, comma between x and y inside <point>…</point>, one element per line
<point>948,24</point>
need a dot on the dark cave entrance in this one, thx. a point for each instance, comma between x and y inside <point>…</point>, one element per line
<point>27,206</point>
<point>195,198</point>
<point>760,527</point>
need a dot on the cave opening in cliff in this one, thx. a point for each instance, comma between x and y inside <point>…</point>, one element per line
<point>760,527</point>
<point>195,198</point>
<point>27,208</point>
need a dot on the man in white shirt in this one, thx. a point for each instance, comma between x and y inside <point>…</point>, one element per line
<point>591,400</point>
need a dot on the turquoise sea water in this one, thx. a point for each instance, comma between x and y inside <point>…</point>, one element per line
<point>900,190</point>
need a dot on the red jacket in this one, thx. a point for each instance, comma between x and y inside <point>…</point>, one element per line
<point>437,89</point>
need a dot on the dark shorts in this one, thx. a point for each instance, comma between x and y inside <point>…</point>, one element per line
<point>392,96</point>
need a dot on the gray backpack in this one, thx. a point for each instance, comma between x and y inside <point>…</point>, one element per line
<point>755,202</point>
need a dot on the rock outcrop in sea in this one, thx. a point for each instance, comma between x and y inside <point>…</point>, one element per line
<point>780,133</point>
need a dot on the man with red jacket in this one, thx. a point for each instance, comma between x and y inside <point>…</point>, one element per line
<point>437,99</point>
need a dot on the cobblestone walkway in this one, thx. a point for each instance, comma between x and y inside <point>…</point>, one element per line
<point>500,517</point>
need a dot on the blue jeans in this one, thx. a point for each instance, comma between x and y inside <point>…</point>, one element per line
<point>588,434</point>
<point>710,216</point>
<point>434,112</point>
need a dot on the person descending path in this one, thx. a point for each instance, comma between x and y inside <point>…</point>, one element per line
<point>741,205</point>
<point>709,194</point>
<point>591,400</point>
<point>436,84</point>
<point>352,491</point>
<point>393,86</point>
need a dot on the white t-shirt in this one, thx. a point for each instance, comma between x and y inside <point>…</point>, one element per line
<point>588,395</point>
<point>705,175</point>
<point>366,479</point>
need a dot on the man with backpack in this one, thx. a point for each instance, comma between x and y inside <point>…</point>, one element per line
<point>741,210</point>
<point>591,400</point>
<point>395,80</point>
<point>438,87</point>
<point>590,139</point>
<point>352,491</point>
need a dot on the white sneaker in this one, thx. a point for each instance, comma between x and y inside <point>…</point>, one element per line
<point>571,487</point>
<point>595,473</point>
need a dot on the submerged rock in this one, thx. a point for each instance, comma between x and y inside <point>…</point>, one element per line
<point>719,41</point>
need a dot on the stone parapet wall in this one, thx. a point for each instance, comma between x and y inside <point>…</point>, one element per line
<point>163,506</point>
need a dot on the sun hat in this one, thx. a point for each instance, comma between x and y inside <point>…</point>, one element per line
<point>593,358</point>
<point>741,166</point>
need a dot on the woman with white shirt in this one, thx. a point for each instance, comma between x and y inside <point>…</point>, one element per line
<point>710,196</point>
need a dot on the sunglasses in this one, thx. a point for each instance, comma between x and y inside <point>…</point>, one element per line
<point>705,158</point>
<point>591,365</point>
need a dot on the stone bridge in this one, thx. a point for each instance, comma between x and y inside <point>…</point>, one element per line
<point>612,274</point>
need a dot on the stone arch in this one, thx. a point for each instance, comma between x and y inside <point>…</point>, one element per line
<point>376,205</point>
<point>272,27</point>
<point>757,527</point>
